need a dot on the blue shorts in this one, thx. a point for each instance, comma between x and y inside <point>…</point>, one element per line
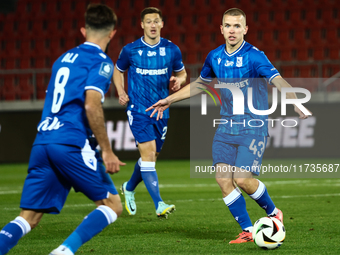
<point>55,168</point>
<point>243,151</point>
<point>146,129</point>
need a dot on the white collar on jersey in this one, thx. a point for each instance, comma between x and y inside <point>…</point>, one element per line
<point>151,46</point>
<point>230,55</point>
<point>93,44</point>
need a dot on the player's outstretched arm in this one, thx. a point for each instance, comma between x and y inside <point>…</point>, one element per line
<point>118,80</point>
<point>179,79</point>
<point>95,116</point>
<point>280,83</point>
<point>190,90</point>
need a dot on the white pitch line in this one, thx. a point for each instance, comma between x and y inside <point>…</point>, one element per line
<point>188,200</point>
<point>335,182</point>
<point>10,192</point>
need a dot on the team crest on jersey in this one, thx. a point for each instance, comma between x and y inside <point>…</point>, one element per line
<point>239,61</point>
<point>152,53</point>
<point>229,63</point>
<point>219,60</point>
<point>106,70</point>
<point>162,51</point>
<point>140,52</point>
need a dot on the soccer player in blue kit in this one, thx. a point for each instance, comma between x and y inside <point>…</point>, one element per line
<point>61,155</point>
<point>151,60</point>
<point>238,147</point>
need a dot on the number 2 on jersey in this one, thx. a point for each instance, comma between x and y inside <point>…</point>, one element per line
<point>165,129</point>
<point>61,79</point>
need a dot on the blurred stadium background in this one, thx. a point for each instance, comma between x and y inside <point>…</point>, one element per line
<point>300,37</point>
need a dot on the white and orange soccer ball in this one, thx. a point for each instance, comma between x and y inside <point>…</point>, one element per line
<point>268,233</point>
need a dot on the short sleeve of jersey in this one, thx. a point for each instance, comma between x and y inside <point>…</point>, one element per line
<point>177,63</point>
<point>263,66</point>
<point>207,72</point>
<point>99,77</point>
<point>123,61</point>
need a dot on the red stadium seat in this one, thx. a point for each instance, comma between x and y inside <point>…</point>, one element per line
<point>334,52</point>
<point>66,8</point>
<point>270,53</point>
<point>68,28</point>
<point>42,83</point>
<point>251,37</point>
<point>329,70</point>
<point>25,63</point>
<point>138,7</point>
<point>192,57</point>
<point>287,71</point>
<point>172,24</point>
<point>154,3</point>
<point>332,35</point>
<point>286,53</point>
<point>186,23</point>
<point>300,36</point>
<point>175,38</point>
<point>302,53</point>
<point>206,41</point>
<point>9,88</point>
<point>311,17</point>
<point>25,92</point>
<point>191,41</point>
<point>26,47</point>
<point>205,21</point>
<point>318,53</point>
<point>80,9</point>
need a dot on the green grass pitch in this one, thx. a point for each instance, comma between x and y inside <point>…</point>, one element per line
<point>202,224</point>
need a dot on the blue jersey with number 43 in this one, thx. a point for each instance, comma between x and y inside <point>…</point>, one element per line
<point>245,68</point>
<point>64,120</point>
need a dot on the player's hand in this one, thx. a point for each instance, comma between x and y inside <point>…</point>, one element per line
<point>112,162</point>
<point>123,98</point>
<point>159,107</point>
<point>177,83</point>
<point>301,114</point>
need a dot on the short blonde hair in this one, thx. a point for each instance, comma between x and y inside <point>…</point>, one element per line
<point>234,12</point>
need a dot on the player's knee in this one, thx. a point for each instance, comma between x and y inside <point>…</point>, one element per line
<point>224,181</point>
<point>243,183</point>
<point>114,203</point>
<point>117,208</point>
<point>151,156</point>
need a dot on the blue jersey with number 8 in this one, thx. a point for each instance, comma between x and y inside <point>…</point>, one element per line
<point>64,120</point>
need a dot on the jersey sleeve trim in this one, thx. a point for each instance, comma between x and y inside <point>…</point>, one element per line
<point>120,69</point>
<point>271,78</point>
<point>176,71</point>
<point>205,79</point>
<point>97,89</point>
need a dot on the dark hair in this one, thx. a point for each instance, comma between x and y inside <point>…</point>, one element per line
<point>100,16</point>
<point>234,12</point>
<point>150,10</point>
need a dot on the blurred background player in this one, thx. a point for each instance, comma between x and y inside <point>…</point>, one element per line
<point>151,61</point>
<point>61,155</point>
<point>238,145</point>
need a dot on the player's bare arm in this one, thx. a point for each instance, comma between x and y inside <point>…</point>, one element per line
<point>179,79</point>
<point>190,90</point>
<point>118,80</point>
<point>279,82</point>
<point>95,116</point>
